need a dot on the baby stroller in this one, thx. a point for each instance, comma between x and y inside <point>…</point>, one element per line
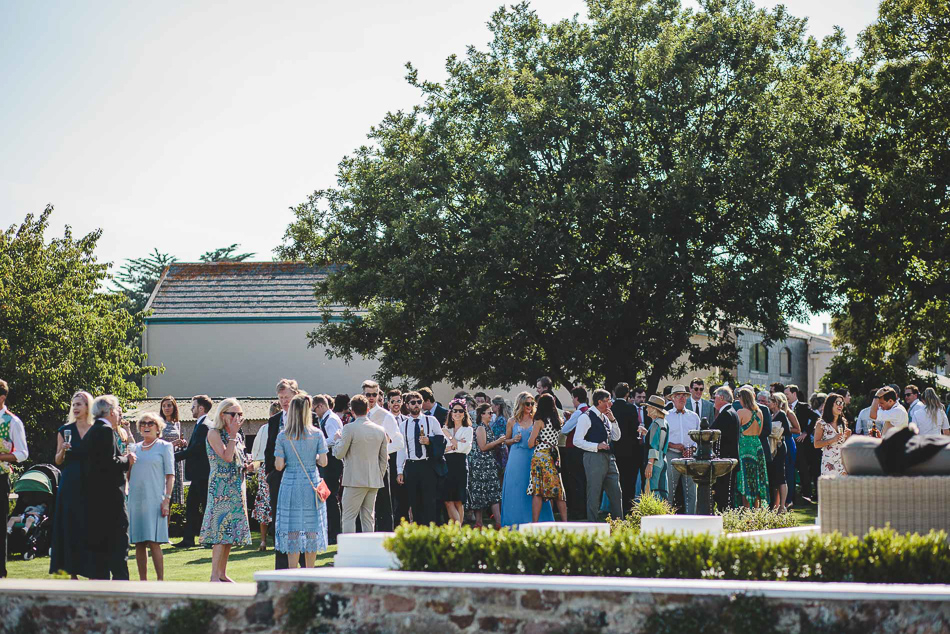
<point>37,485</point>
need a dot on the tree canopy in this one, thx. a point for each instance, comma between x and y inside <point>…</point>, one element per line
<point>138,277</point>
<point>890,264</point>
<point>225,254</point>
<point>581,197</point>
<point>59,332</point>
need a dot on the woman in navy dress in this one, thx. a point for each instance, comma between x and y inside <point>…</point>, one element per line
<point>515,500</point>
<point>68,551</point>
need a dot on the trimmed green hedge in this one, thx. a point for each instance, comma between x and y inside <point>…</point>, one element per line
<point>882,556</point>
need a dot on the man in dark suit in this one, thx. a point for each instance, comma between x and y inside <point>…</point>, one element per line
<point>627,449</point>
<point>104,490</point>
<point>643,420</point>
<point>545,385</point>
<point>332,427</point>
<point>431,408</point>
<point>726,422</point>
<point>195,456</point>
<point>804,459</point>
<point>287,389</point>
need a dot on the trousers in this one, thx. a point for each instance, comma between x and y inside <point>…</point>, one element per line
<point>421,489</point>
<point>602,477</point>
<point>689,486</point>
<point>359,501</point>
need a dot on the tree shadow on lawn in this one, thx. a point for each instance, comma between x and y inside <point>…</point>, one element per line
<point>323,559</point>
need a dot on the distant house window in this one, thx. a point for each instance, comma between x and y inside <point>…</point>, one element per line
<point>785,362</point>
<point>759,359</point>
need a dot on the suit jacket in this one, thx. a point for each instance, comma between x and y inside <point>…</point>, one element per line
<point>626,415</point>
<point>440,413</point>
<point>806,418</point>
<point>647,419</point>
<point>437,455</point>
<point>364,452</point>
<point>104,488</point>
<point>728,423</point>
<point>195,454</point>
<point>706,409</point>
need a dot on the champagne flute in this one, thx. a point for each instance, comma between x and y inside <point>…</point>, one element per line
<point>68,436</point>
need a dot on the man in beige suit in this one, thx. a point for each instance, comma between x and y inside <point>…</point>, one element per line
<point>363,450</point>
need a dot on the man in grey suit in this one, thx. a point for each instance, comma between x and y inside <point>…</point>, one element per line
<point>363,450</point>
<point>697,404</point>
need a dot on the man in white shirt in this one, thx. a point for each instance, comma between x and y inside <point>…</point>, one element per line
<point>13,449</point>
<point>572,459</point>
<point>912,398</point>
<point>400,501</point>
<point>681,421</point>
<point>887,411</point>
<point>592,433</point>
<point>414,469</point>
<point>862,424</point>
<point>383,418</point>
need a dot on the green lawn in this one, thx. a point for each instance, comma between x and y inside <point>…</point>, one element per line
<point>805,513</point>
<point>191,564</point>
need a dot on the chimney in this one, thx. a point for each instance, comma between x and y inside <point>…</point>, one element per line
<point>824,329</point>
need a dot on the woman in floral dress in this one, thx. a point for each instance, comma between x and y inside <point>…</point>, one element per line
<point>168,410</point>
<point>225,522</point>
<point>545,482</point>
<point>828,438</point>
<point>484,486</point>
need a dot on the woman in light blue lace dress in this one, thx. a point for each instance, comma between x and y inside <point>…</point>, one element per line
<point>225,522</point>
<point>301,523</point>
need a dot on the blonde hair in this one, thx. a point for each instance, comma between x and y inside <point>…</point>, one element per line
<point>519,405</point>
<point>931,401</point>
<point>154,418</point>
<point>747,399</point>
<point>223,406</point>
<point>88,398</point>
<point>299,422</point>
<point>781,400</point>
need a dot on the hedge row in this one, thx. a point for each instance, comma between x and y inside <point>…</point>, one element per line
<point>881,556</point>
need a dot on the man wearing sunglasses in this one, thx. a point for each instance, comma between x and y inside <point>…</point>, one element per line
<point>385,419</point>
<point>420,463</point>
<point>697,404</point>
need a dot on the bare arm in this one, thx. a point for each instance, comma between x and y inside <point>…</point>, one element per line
<point>321,459</point>
<point>793,422</point>
<point>60,451</point>
<point>535,430</point>
<point>225,452</point>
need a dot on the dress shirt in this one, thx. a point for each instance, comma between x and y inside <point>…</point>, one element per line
<point>931,424</point>
<point>385,419</point>
<point>260,443</point>
<point>428,426</point>
<point>680,423</point>
<point>696,406</point>
<point>914,410</point>
<point>897,416</point>
<point>464,439</point>
<point>863,424</point>
<point>332,423</point>
<point>572,421</point>
<point>17,436</point>
<point>583,426</point>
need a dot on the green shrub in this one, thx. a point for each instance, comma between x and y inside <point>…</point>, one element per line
<point>176,520</point>
<point>643,506</point>
<point>880,556</point>
<point>196,616</point>
<point>742,520</point>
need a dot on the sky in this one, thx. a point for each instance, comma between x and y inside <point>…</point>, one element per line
<point>187,126</point>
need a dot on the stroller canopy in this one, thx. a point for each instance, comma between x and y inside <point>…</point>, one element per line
<point>36,481</point>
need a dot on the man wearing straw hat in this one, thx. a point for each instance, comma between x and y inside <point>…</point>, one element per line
<point>681,421</point>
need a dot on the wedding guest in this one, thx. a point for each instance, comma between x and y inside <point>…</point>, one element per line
<point>107,519</point>
<point>638,401</point>
<point>914,404</point>
<point>727,422</point>
<point>151,481</point>
<point>545,385</point>
<point>286,390</point>
<point>697,404</point>
<point>301,520</point>
<point>384,418</point>
<point>752,481</point>
<point>400,502</point>
<point>225,521</point>
<point>332,428</point>
<point>168,410</point>
<point>658,443</point>
<point>830,433</point>
<point>807,457</point>
<point>626,450</point>
<point>545,483</point>
<point>458,430</point>
<point>197,469</point>
<point>262,504</point>
<point>431,408</point>
<point>515,502</point>
<point>362,448</point>
<point>484,487</point>
<point>341,407</point>
<point>864,425</point>
<point>886,412</point>
<point>68,549</point>
<point>572,459</point>
<point>681,422</point>
<point>593,432</point>
<point>778,405</point>
<point>501,412</point>
<point>420,464</point>
<point>931,419</point>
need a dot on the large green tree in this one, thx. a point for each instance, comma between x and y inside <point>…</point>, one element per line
<point>892,260</point>
<point>59,332</point>
<point>138,277</point>
<point>581,197</point>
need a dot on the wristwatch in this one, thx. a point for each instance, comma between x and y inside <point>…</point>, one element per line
<point>166,497</point>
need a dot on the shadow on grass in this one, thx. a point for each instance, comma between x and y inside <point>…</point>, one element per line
<point>247,554</point>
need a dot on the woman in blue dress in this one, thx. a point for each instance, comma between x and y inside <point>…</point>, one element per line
<point>68,551</point>
<point>301,524</point>
<point>151,480</point>
<point>515,500</point>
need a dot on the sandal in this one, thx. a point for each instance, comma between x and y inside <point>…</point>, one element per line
<point>262,547</point>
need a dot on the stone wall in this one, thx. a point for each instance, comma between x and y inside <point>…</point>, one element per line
<point>419,603</point>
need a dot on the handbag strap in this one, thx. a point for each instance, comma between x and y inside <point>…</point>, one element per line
<point>301,464</point>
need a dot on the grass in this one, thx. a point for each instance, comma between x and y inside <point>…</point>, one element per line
<point>190,564</point>
<point>805,514</point>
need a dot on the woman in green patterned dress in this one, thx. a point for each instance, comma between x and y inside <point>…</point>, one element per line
<point>225,522</point>
<point>752,482</point>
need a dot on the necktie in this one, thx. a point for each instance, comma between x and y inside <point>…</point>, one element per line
<point>415,422</point>
<point>640,414</point>
<point>323,424</point>
<point>606,427</point>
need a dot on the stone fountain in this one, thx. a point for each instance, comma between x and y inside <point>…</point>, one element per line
<point>702,467</point>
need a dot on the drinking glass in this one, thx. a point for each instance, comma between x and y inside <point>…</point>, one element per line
<point>68,436</point>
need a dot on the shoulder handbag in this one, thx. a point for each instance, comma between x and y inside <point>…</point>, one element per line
<point>321,491</point>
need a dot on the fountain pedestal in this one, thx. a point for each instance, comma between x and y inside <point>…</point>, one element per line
<point>702,467</point>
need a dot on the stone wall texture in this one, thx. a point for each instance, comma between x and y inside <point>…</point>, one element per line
<point>316,607</point>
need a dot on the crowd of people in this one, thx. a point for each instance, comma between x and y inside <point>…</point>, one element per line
<point>327,465</point>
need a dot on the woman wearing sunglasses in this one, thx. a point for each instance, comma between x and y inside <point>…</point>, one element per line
<point>225,522</point>
<point>516,503</point>
<point>151,480</point>
<point>458,432</point>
